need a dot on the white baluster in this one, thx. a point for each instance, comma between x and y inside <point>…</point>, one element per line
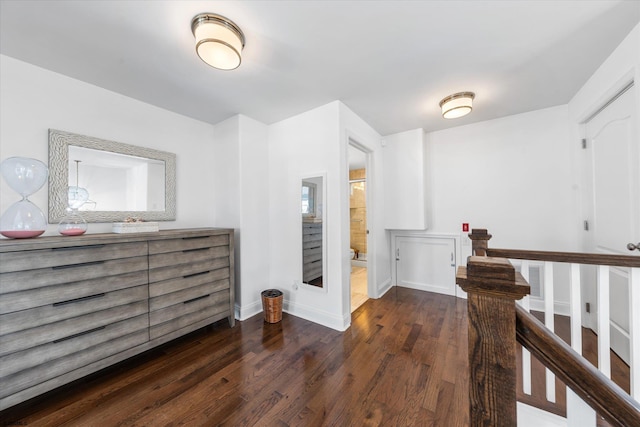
<point>549,323</point>
<point>526,356</point>
<point>579,414</point>
<point>576,309</point>
<point>634,331</point>
<point>604,333</point>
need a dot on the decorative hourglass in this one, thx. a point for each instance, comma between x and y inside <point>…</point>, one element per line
<point>23,219</point>
<point>73,224</point>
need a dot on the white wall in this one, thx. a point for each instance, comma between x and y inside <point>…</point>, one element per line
<point>404,181</point>
<point>302,146</point>
<point>32,100</point>
<point>511,175</point>
<point>315,143</point>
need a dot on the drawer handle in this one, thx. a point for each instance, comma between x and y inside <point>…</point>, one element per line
<point>82,264</point>
<point>196,299</point>
<point>195,250</point>
<point>72,301</point>
<point>79,334</point>
<point>73,248</point>
<point>196,274</point>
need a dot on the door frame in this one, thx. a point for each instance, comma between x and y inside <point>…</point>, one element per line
<point>352,142</point>
<point>618,336</point>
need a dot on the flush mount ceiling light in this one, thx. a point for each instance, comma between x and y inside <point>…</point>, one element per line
<point>457,105</point>
<point>219,41</point>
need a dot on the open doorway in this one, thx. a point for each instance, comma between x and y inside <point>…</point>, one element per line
<point>358,226</point>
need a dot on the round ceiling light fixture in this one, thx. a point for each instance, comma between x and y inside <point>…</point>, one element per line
<point>219,41</point>
<point>457,105</point>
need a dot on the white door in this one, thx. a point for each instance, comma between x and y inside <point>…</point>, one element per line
<point>426,263</point>
<point>613,195</point>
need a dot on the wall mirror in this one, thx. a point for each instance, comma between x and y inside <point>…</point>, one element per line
<point>117,180</point>
<point>314,230</point>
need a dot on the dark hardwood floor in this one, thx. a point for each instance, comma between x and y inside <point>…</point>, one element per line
<point>403,362</point>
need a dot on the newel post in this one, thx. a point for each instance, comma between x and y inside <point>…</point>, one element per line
<point>479,241</point>
<point>493,287</point>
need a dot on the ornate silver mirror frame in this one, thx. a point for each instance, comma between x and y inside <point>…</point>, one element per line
<point>59,142</point>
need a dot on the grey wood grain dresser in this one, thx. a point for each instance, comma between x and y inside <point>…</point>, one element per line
<point>70,306</point>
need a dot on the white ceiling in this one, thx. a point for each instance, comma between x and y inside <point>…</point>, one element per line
<point>389,61</point>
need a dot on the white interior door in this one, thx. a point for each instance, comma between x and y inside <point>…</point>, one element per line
<point>613,195</point>
<point>426,263</point>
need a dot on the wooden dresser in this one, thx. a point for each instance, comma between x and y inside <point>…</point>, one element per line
<point>70,306</point>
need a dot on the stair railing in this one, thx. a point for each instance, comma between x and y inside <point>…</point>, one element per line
<point>496,322</point>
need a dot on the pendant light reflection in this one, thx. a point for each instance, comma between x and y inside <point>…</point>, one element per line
<point>77,195</point>
<point>457,105</point>
<point>219,41</point>
<point>73,224</point>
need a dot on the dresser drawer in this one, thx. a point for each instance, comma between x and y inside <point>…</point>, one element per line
<point>188,281</point>
<point>188,294</point>
<point>67,256</point>
<point>187,243</point>
<point>79,351</point>
<point>73,291</point>
<point>37,278</point>
<point>185,270</point>
<point>187,256</point>
<point>178,316</point>
<point>53,314</point>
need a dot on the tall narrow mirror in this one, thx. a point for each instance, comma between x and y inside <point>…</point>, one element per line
<point>313,231</point>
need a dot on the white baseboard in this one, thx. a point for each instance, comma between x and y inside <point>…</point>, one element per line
<point>620,342</point>
<point>330,320</point>
<point>561,308</point>
<point>384,288</point>
<point>427,288</point>
<point>249,310</point>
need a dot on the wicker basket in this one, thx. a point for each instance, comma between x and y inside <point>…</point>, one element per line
<point>272,305</point>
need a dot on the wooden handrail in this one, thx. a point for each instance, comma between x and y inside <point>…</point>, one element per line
<point>480,245</point>
<point>571,257</point>
<point>598,391</point>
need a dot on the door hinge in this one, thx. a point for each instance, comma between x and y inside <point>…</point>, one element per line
<point>587,307</point>
<point>584,143</point>
<point>398,254</point>
<point>586,225</point>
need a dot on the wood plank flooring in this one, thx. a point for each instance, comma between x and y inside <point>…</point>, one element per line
<point>403,362</point>
<point>359,291</point>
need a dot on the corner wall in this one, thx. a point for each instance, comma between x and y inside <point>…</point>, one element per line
<point>302,146</point>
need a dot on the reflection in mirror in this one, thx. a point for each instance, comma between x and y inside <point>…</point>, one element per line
<point>116,182</point>
<point>313,231</point>
<point>110,181</point>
